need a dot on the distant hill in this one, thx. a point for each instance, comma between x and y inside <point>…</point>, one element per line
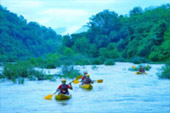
<point>82,29</point>
<point>21,40</point>
<point>60,30</point>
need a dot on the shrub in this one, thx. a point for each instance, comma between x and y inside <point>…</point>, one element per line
<point>82,62</point>
<point>20,80</point>
<point>98,60</point>
<point>2,76</point>
<point>165,74</point>
<point>66,60</point>
<point>36,75</point>
<point>120,59</point>
<point>109,62</point>
<point>15,70</point>
<point>69,72</point>
<point>138,60</point>
<point>94,67</point>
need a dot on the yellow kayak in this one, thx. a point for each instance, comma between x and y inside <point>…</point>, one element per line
<point>62,97</point>
<point>140,73</point>
<point>86,86</point>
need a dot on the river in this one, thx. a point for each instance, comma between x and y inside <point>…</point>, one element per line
<point>121,92</point>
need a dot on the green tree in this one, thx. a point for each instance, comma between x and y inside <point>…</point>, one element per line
<point>81,45</point>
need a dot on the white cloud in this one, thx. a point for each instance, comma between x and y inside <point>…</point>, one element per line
<point>71,14</point>
<point>72,29</point>
<point>98,1</point>
<point>22,3</point>
<point>65,12</point>
<point>56,17</point>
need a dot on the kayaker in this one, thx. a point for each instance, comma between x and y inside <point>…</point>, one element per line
<point>141,69</point>
<point>87,80</point>
<point>63,88</point>
<point>83,77</point>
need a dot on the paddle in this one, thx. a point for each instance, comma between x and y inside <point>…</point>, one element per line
<point>76,81</point>
<point>49,97</point>
<point>78,77</point>
<point>133,67</point>
<point>98,81</point>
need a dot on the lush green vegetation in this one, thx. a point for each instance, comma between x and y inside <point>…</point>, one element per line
<point>142,36</point>
<point>20,40</point>
<point>69,72</point>
<point>19,71</point>
<point>165,74</point>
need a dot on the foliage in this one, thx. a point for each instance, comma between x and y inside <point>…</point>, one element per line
<point>145,33</point>
<point>98,60</point>
<point>138,60</point>
<point>69,72</point>
<point>142,35</point>
<point>34,39</point>
<point>165,74</point>
<point>109,62</point>
<point>18,71</point>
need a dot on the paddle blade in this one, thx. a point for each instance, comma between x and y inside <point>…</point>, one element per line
<point>48,97</point>
<point>75,81</point>
<point>133,67</point>
<point>79,77</point>
<point>100,81</point>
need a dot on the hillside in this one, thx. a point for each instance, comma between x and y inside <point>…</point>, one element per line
<point>143,35</point>
<point>21,40</point>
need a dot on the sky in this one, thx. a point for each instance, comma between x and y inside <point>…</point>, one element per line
<point>71,14</point>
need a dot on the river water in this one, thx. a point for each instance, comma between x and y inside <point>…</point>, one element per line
<point>121,92</point>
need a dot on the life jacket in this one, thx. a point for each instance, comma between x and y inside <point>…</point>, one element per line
<point>87,81</point>
<point>83,78</point>
<point>142,70</point>
<point>64,89</point>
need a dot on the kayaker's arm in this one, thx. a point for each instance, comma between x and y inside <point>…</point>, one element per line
<point>54,93</point>
<point>70,86</point>
<point>57,91</point>
<point>92,81</point>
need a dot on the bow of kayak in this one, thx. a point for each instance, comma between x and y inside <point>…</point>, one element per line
<point>62,97</point>
<point>86,86</point>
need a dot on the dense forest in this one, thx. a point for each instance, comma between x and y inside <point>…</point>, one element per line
<point>142,36</point>
<point>20,40</point>
<point>143,33</point>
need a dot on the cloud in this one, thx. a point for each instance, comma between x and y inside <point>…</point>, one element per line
<point>98,1</point>
<point>22,4</point>
<point>63,17</point>
<point>71,14</point>
<point>72,29</point>
<point>65,12</point>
